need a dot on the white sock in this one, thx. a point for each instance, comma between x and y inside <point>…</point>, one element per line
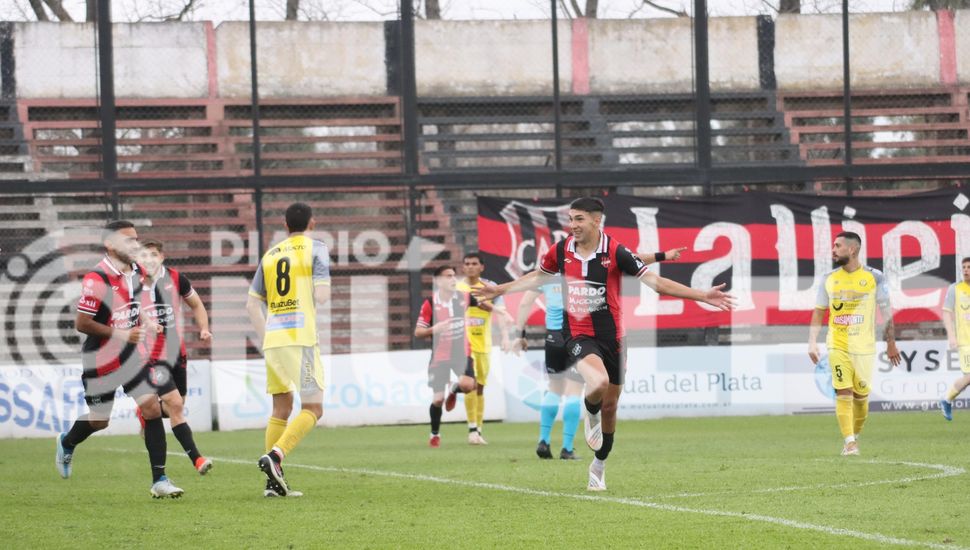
<point>599,464</point>
<point>849,439</point>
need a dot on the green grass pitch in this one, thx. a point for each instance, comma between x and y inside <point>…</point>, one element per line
<point>758,482</point>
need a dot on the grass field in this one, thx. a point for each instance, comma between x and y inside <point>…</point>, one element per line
<point>766,482</point>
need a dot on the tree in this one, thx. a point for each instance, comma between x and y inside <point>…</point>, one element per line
<point>57,9</point>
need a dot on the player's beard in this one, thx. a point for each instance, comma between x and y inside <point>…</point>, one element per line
<point>840,260</point>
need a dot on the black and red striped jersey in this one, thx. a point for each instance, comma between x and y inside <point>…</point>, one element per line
<point>163,303</point>
<point>592,286</point>
<point>112,298</point>
<point>451,344</point>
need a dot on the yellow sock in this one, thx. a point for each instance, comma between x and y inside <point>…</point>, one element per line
<point>296,431</point>
<point>274,430</point>
<point>860,410</point>
<point>480,411</point>
<point>843,413</point>
<point>952,393</point>
<point>471,408</point>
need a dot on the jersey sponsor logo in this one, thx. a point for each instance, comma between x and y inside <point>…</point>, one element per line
<point>289,303</point>
<point>164,314</point>
<point>848,319</point>
<point>851,296</point>
<point>838,307</point>
<point>286,321</point>
<point>475,321</point>
<point>88,303</point>
<point>127,311</point>
<point>586,291</point>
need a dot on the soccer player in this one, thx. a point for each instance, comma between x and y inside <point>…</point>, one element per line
<point>479,327</point>
<point>442,319</point>
<point>956,319</point>
<point>166,289</point>
<point>592,264</point>
<point>564,379</point>
<point>109,313</point>
<point>850,294</point>
<point>292,279</point>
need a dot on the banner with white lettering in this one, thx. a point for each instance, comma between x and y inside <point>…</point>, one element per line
<point>44,400</point>
<point>360,389</point>
<point>771,249</point>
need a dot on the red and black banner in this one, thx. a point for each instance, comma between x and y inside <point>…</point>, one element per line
<point>771,249</point>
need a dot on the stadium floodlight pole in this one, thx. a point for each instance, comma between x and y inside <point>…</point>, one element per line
<point>257,147</point>
<point>107,111</point>
<point>702,94</point>
<point>846,95</point>
<point>556,104</point>
<point>409,119</point>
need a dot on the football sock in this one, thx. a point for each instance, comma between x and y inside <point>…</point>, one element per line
<point>435,418</point>
<point>570,421</point>
<point>296,431</point>
<point>480,411</point>
<point>183,433</point>
<point>274,431</point>
<point>593,408</point>
<point>471,408</point>
<point>157,447</point>
<point>953,392</point>
<point>80,431</point>
<point>843,413</point>
<point>606,448</point>
<point>548,410</point>
<point>860,410</point>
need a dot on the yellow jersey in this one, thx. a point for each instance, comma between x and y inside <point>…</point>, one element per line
<point>478,322</point>
<point>285,280</point>
<point>957,302</point>
<point>851,299</point>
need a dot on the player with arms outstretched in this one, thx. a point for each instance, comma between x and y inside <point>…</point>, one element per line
<point>592,265</point>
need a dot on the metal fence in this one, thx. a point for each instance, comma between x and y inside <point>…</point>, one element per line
<point>211,175</point>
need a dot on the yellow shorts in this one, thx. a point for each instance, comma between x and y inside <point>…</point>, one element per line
<point>964,359</point>
<point>850,370</point>
<point>293,368</point>
<point>480,360</point>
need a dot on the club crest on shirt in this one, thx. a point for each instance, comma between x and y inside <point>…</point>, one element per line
<point>606,261</point>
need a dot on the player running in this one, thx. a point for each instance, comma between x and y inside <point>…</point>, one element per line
<point>851,294</point>
<point>442,319</point>
<point>109,313</point>
<point>564,380</point>
<point>956,319</point>
<point>479,328</point>
<point>165,291</point>
<point>592,264</point>
<point>292,279</point>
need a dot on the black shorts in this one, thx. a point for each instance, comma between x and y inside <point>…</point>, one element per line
<point>439,374</point>
<point>612,352</point>
<point>162,377</point>
<point>99,391</point>
<point>557,360</point>
<point>179,373</point>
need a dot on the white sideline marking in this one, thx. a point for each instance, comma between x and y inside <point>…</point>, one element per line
<point>942,471</point>
<point>874,537</point>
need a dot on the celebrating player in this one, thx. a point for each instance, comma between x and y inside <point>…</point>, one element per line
<point>165,291</point>
<point>291,280</point>
<point>592,264</point>
<point>479,327</point>
<point>110,314</point>
<point>956,319</point>
<point>564,379</point>
<point>442,319</point>
<point>851,294</point>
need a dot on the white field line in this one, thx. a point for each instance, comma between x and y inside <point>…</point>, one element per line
<point>835,531</point>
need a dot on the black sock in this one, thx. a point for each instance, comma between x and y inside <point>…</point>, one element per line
<point>593,409</point>
<point>470,430</point>
<point>456,389</point>
<point>157,447</point>
<point>183,433</point>
<point>435,418</point>
<point>606,448</point>
<point>80,430</point>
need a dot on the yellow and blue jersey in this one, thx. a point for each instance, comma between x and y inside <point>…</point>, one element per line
<point>478,322</point>
<point>957,302</point>
<point>552,292</point>
<point>851,300</point>
<point>285,280</point>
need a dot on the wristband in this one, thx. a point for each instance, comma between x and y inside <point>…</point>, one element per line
<point>660,256</point>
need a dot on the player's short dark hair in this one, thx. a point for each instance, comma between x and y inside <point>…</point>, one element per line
<point>965,260</point>
<point>153,243</point>
<point>588,204</point>
<point>441,269</point>
<point>850,236</point>
<point>471,255</point>
<point>115,225</point>
<point>298,217</point>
